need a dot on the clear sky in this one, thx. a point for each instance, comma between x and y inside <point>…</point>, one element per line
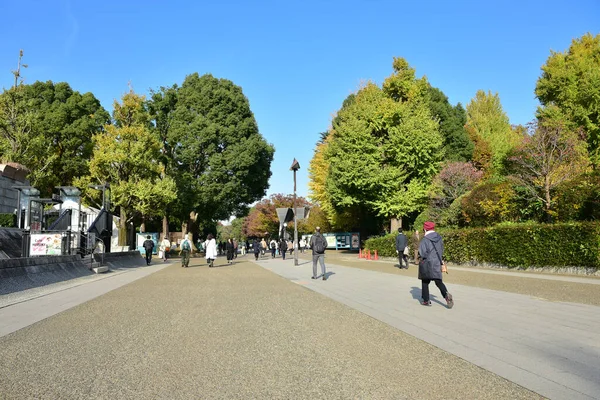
<point>296,61</point>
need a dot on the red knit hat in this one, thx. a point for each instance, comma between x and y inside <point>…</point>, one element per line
<point>428,226</point>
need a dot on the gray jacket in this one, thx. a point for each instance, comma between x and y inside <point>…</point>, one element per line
<point>430,264</point>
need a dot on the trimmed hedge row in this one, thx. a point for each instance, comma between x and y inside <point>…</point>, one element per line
<point>518,245</point>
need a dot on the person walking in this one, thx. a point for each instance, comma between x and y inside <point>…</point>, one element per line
<point>263,247</point>
<point>165,247</point>
<point>273,246</point>
<point>148,248</point>
<point>302,245</point>
<point>282,248</point>
<point>401,243</point>
<point>235,248</point>
<point>185,251</point>
<point>318,244</point>
<point>211,250</point>
<point>431,251</point>
<point>229,249</point>
<point>256,249</point>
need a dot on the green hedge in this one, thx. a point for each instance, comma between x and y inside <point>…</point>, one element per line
<point>386,245</point>
<point>518,245</point>
<point>8,220</point>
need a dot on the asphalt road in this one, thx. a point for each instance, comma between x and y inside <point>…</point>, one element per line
<point>233,332</point>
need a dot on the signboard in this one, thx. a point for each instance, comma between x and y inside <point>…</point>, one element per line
<point>141,237</point>
<point>340,240</point>
<point>43,244</point>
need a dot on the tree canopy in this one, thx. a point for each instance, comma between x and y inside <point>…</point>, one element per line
<point>457,144</point>
<point>220,161</point>
<point>48,128</point>
<point>491,131</point>
<point>569,90</point>
<point>385,147</point>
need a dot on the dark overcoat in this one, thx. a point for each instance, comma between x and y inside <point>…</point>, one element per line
<point>430,266</point>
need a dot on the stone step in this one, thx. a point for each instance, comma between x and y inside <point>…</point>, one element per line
<point>100,269</point>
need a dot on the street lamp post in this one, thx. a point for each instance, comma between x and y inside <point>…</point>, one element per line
<point>295,167</point>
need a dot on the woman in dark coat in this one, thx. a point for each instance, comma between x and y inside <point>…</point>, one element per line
<point>431,251</point>
<point>229,249</point>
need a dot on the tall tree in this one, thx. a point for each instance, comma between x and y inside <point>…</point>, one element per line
<point>490,130</point>
<point>161,107</point>
<point>221,162</point>
<point>385,147</point>
<point>48,127</point>
<point>569,90</point>
<point>127,156</point>
<point>457,144</point>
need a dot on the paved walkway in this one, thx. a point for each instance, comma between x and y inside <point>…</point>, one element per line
<point>243,332</point>
<point>552,348</point>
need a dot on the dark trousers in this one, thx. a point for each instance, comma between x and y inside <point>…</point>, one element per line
<point>148,256</point>
<point>425,288</point>
<point>283,254</point>
<point>273,253</point>
<point>401,257</point>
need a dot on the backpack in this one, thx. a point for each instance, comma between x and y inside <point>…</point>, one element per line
<point>273,245</point>
<point>185,246</point>
<point>319,244</point>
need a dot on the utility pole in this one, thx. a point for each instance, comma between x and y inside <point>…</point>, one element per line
<point>295,167</point>
<point>17,72</point>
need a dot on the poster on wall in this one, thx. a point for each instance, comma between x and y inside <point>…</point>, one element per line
<point>141,238</point>
<point>45,244</point>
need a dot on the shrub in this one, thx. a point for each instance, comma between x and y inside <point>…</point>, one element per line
<point>386,245</point>
<point>526,245</point>
<point>8,220</point>
<point>490,203</point>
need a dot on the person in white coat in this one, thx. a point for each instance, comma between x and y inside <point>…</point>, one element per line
<point>211,250</point>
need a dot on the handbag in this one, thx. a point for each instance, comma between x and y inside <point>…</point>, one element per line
<point>406,251</point>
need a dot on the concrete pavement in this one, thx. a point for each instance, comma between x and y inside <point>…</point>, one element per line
<point>552,348</point>
<point>242,332</point>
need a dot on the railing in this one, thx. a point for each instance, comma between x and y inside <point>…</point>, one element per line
<point>63,222</point>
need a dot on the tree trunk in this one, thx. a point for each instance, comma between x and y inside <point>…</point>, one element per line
<point>395,223</point>
<point>165,225</point>
<point>143,225</point>
<point>548,200</point>
<point>123,227</point>
<point>184,228</point>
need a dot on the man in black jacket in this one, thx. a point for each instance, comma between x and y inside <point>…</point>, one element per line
<point>148,248</point>
<point>401,243</point>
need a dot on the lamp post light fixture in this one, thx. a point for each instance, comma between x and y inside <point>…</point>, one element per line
<point>295,167</point>
<point>103,188</point>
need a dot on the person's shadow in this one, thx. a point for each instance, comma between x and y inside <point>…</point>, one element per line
<point>417,295</point>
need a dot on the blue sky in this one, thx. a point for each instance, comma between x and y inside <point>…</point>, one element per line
<point>295,60</point>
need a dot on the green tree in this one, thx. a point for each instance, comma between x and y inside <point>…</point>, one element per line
<point>549,157</point>
<point>385,147</point>
<point>569,89</point>
<point>490,130</point>
<point>48,128</point>
<point>219,160</point>
<point>127,156</point>
<point>457,144</point>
